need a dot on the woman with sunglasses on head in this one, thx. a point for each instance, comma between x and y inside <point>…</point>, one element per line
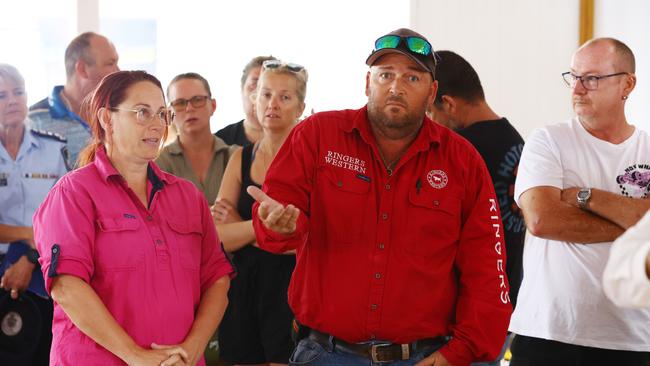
<point>129,252</point>
<point>257,325</point>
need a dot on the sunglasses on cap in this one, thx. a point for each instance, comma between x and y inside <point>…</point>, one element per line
<point>276,64</point>
<point>414,44</point>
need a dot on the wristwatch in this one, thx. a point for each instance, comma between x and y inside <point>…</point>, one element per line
<point>32,255</point>
<point>583,197</point>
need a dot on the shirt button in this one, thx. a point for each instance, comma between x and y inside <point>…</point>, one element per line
<point>372,336</point>
<point>381,245</point>
<point>149,218</point>
<point>436,203</point>
<point>159,242</point>
<point>340,184</point>
<point>373,306</point>
<point>387,186</point>
<point>384,216</point>
<point>377,275</point>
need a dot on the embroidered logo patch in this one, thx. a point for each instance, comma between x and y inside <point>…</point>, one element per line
<point>12,324</point>
<point>437,178</point>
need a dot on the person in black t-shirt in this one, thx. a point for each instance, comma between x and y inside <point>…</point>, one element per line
<point>248,130</point>
<point>460,105</point>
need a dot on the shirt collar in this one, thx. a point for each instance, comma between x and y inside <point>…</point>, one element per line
<point>107,170</point>
<point>58,109</point>
<point>29,139</point>
<point>429,133</point>
<point>29,142</point>
<point>175,147</point>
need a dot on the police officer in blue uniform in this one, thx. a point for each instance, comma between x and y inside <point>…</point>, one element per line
<point>30,163</point>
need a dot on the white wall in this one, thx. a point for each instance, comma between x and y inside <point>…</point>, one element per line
<point>519,49</point>
<point>627,20</point>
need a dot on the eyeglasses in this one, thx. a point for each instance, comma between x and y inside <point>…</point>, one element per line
<point>589,82</point>
<point>144,115</point>
<point>196,101</point>
<point>276,64</point>
<point>415,44</point>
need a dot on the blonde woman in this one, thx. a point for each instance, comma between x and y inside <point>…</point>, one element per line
<point>256,326</point>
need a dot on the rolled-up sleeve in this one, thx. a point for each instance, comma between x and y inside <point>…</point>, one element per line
<point>289,180</point>
<point>64,228</point>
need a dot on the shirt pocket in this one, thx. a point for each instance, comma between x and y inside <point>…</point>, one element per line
<point>434,221</point>
<point>187,233</point>
<point>343,199</point>
<point>119,247</point>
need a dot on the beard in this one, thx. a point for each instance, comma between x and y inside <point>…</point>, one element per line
<point>395,126</point>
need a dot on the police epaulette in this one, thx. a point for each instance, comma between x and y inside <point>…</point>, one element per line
<point>49,135</point>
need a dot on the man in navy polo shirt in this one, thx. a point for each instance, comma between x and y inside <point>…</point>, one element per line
<point>88,58</point>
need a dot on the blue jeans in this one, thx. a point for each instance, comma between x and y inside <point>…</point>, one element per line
<point>312,353</point>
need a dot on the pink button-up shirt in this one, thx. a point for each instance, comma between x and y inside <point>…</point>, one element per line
<point>148,265</point>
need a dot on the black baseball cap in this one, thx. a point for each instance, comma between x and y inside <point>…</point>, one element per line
<point>20,327</point>
<point>406,42</point>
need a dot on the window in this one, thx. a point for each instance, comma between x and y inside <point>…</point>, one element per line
<point>330,38</point>
<point>34,37</point>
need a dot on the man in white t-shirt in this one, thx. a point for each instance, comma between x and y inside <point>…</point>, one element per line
<point>580,185</point>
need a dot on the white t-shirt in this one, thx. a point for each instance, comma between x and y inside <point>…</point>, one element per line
<point>625,280</point>
<point>561,296</point>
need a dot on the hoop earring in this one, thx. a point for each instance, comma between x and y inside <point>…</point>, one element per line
<point>624,97</point>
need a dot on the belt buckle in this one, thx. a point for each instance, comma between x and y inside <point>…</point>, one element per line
<point>374,352</point>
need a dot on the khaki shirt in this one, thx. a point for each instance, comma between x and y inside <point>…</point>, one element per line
<point>172,160</point>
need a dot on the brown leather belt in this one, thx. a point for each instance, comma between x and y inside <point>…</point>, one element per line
<point>377,352</point>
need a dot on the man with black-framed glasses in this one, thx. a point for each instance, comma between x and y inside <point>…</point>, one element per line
<point>400,256</point>
<point>580,185</point>
<point>196,154</point>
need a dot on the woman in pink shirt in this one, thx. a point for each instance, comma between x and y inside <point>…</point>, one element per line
<point>129,253</point>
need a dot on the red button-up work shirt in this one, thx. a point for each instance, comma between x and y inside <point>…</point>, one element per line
<point>412,255</point>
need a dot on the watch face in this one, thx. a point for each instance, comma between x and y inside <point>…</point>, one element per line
<point>584,195</point>
<point>32,256</point>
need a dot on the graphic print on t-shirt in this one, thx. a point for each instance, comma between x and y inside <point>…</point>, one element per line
<point>635,181</point>
<point>513,220</point>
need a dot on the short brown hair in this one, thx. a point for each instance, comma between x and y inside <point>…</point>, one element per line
<point>623,52</point>
<point>192,76</point>
<point>255,63</point>
<point>78,49</point>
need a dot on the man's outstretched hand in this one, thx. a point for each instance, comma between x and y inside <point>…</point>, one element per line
<point>275,216</point>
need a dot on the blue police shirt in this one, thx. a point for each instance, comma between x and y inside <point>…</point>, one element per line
<point>25,182</point>
<point>52,115</point>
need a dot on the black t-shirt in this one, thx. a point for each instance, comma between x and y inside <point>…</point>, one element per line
<point>501,145</point>
<point>234,134</point>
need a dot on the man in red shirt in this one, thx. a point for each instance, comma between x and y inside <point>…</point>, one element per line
<point>400,251</point>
